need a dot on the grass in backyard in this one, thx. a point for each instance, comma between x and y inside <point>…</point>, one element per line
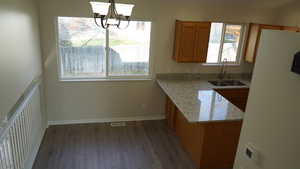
<point>97,42</point>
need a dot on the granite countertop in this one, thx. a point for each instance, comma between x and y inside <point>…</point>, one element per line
<point>198,102</point>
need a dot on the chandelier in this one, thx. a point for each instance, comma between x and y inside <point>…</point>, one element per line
<point>111,14</point>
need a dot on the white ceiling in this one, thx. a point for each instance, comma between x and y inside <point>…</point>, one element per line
<point>268,4</point>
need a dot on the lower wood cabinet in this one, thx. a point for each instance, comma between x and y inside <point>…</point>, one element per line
<point>191,136</point>
<point>237,96</point>
<point>210,145</point>
<point>171,111</point>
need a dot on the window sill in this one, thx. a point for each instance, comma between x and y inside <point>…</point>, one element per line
<point>105,80</point>
<point>220,64</point>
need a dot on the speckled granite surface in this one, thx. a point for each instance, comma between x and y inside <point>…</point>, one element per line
<point>198,102</point>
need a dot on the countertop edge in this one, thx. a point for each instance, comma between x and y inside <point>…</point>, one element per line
<point>185,115</point>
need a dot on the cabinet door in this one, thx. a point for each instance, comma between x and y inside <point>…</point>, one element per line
<point>187,38</point>
<point>238,97</point>
<point>170,113</point>
<point>253,39</point>
<point>252,42</point>
<point>191,41</point>
<point>191,137</point>
<point>203,32</point>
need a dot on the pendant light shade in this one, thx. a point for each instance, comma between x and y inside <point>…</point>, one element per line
<point>124,9</point>
<point>100,7</point>
<point>111,14</point>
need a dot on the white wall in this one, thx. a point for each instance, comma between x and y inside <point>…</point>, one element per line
<point>94,100</point>
<point>20,56</point>
<point>271,121</point>
<point>289,14</point>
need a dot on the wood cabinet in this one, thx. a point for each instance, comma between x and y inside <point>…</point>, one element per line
<point>238,97</point>
<point>253,38</point>
<point>191,137</point>
<point>171,111</point>
<point>191,41</point>
<point>290,28</point>
<point>210,145</point>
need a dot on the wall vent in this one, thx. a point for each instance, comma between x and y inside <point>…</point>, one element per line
<point>118,124</point>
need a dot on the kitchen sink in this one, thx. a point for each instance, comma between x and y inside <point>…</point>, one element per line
<point>226,83</point>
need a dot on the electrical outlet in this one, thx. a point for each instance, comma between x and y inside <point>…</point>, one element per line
<point>252,153</point>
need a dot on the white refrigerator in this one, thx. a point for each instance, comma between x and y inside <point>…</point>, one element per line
<point>271,126</point>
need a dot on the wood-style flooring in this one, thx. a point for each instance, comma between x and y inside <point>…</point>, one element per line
<point>140,145</point>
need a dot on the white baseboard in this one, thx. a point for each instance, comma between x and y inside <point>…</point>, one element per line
<point>107,120</point>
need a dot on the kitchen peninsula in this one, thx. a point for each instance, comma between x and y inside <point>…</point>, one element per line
<point>207,119</point>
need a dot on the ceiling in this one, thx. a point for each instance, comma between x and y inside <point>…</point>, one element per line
<point>268,4</point>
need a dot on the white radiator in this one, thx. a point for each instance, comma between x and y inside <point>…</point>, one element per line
<point>22,134</point>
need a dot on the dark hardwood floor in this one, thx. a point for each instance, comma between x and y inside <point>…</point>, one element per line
<point>141,145</point>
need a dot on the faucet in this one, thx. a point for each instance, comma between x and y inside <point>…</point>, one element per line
<point>223,72</point>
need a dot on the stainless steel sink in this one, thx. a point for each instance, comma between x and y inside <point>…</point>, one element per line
<point>226,83</point>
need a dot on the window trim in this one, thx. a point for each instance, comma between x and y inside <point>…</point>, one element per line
<point>107,77</point>
<point>240,47</point>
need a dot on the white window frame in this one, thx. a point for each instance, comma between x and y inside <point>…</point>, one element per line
<point>240,47</point>
<point>107,77</point>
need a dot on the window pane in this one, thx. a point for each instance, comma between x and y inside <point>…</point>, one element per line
<point>214,42</point>
<point>231,42</point>
<point>81,48</point>
<point>129,49</point>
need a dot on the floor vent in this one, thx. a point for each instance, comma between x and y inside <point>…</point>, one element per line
<point>118,124</point>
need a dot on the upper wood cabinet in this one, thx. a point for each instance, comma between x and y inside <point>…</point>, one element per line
<point>254,37</point>
<point>252,42</point>
<point>191,41</point>
<point>290,28</point>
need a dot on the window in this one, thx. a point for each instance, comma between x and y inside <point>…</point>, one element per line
<point>90,52</point>
<point>225,43</point>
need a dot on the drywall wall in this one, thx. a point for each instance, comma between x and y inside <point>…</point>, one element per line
<point>96,100</point>
<point>289,14</point>
<point>271,121</point>
<point>20,55</point>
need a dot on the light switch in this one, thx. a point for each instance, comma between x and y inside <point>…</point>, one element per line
<point>252,153</point>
